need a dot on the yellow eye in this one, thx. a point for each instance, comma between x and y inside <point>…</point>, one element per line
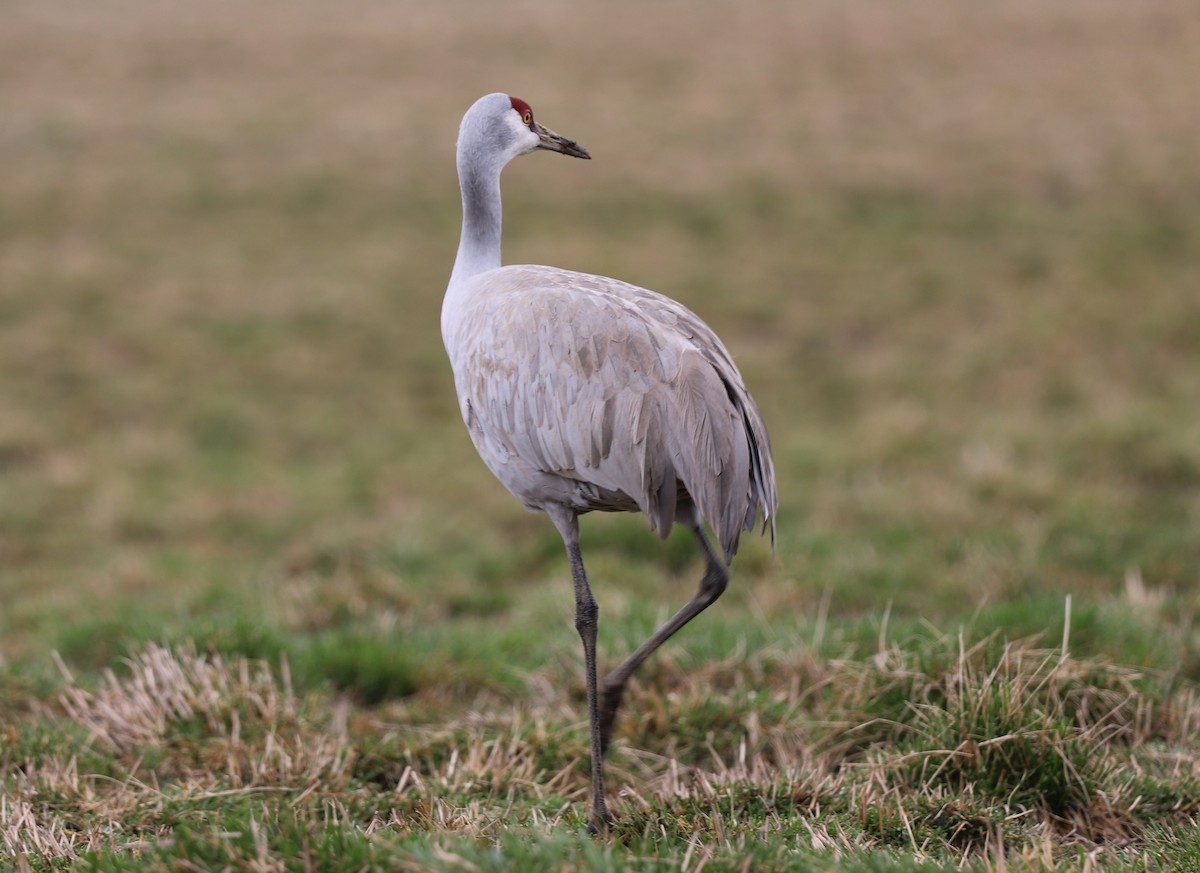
<point>527,117</point>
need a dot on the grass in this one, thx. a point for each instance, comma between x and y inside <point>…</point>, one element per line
<point>261,606</point>
<point>924,755</point>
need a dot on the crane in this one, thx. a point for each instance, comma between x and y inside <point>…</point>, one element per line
<point>583,393</point>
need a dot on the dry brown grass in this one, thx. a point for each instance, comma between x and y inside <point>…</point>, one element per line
<point>794,739</point>
<point>225,730</point>
<point>961,99</point>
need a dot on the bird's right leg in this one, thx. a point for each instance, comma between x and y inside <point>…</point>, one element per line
<point>586,615</point>
<point>712,586</point>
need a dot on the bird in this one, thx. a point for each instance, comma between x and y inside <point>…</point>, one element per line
<point>583,393</point>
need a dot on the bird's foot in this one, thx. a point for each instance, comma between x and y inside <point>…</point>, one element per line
<point>599,822</point>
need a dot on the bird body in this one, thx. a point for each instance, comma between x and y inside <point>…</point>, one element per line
<point>600,395</point>
<point>585,393</point>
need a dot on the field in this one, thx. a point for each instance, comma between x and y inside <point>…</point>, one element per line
<point>262,607</point>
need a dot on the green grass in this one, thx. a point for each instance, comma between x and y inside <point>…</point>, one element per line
<point>261,605</point>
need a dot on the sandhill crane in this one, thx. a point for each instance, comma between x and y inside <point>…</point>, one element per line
<point>585,393</point>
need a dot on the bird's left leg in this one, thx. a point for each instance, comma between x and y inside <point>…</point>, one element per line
<point>587,614</point>
<point>712,586</point>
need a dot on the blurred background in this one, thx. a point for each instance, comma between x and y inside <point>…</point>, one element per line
<point>955,249</point>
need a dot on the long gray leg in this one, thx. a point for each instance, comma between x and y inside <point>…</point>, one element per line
<point>586,615</point>
<point>712,586</point>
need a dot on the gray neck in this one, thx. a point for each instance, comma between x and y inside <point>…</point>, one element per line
<point>479,247</point>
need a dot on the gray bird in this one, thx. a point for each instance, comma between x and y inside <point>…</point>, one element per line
<point>586,393</point>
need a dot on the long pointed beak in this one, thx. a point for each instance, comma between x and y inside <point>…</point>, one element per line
<point>553,142</point>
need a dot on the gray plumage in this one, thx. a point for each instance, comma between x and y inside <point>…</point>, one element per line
<point>585,393</point>
<point>600,395</point>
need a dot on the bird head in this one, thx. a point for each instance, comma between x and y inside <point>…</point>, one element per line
<point>546,138</point>
<point>498,128</point>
